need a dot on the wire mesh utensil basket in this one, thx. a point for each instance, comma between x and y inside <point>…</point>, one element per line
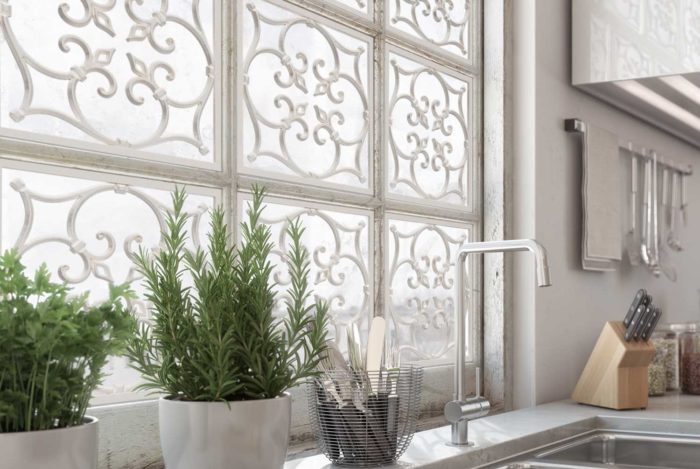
<point>364,419</point>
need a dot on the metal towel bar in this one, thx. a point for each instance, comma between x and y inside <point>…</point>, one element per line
<point>577,125</point>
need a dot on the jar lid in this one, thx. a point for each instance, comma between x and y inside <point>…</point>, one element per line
<point>678,327</point>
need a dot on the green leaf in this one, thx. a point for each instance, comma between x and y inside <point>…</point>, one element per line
<point>218,339</point>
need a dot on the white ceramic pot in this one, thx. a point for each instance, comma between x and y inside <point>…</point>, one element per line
<point>63,448</point>
<point>220,435</point>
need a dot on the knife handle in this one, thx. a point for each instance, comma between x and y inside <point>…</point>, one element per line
<point>648,316</point>
<point>641,323</point>
<point>639,298</point>
<point>651,325</point>
<point>629,333</point>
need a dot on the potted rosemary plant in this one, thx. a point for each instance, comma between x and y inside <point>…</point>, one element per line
<point>214,348</point>
<point>53,348</point>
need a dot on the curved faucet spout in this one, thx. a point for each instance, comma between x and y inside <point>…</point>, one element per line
<point>461,410</point>
<point>511,245</point>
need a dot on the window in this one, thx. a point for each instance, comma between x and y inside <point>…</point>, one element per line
<point>363,117</point>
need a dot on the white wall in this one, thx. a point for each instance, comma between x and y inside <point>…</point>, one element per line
<point>555,328</point>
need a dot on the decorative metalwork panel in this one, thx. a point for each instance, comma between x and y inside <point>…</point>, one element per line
<point>139,79</point>
<point>430,141</point>
<point>70,67</point>
<point>306,92</point>
<point>339,243</point>
<point>421,298</point>
<point>87,231</point>
<point>445,24</point>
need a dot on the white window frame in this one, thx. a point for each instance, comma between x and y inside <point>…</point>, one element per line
<point>223,175</point>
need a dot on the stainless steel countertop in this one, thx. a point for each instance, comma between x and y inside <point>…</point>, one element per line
<point>500,436</point>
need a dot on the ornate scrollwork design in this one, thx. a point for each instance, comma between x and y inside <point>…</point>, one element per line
<point>442,23</point>
<point>338,250</point>
<point>107,63</point>
<point>299,105</point>
<point>429,141</point>
<point>422,286</point>
<point>96,263</point>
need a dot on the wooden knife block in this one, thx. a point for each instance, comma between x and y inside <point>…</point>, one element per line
<point>615,376</point>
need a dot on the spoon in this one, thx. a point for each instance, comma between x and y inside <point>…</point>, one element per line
<point>671,239</point>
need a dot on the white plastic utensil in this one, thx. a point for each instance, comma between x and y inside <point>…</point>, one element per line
<point>375,351</point>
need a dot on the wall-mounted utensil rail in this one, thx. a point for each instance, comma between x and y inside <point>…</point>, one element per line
<point>652,232</point>
<point>577,125</point>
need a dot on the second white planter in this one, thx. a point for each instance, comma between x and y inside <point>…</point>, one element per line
<point>220,435</point>
<point>61,448</point>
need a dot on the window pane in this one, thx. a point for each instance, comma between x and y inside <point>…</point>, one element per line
<point>430,141</point>
<point>87,229</point>
<point>421,302</point>
<point>364,6</point>
<point>339,244</point>
<point>68,68</point>
<point>307,98</point>
<point>447,25</point>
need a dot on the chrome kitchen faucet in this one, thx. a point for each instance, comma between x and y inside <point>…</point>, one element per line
<point>461,410</point>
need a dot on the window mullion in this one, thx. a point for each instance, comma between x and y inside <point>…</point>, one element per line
<point>379,85</point>
<point>230,121</point>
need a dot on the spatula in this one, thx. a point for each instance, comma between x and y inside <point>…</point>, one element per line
<point>375,351</point>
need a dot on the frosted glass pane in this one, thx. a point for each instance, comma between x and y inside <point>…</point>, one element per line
<point>306,98</point>
<point>443,24</point>
<point>430,143</point>
<point>422,289</point>
<point>339,246</point>
<point>87,232</point>
<point>75,68</point>
<point>362,6</point>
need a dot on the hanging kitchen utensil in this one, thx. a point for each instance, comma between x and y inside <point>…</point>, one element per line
<point>684,201</point>
<point>664,258</point>
<point>632,241</point>
<point>672,239</point>
<point>645,252</point>
<point>655,269</point>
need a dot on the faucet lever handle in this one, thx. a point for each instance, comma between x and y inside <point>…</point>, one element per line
<point>478,382</point>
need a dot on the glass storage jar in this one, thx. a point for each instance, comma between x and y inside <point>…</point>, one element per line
<point>666,336</point>
<point>690,359</point>
<point>657,371</point>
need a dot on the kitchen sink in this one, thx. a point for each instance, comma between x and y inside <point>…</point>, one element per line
<point>607,450</point>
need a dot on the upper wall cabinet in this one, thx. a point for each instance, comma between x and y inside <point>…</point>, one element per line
<point>642,56</point>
